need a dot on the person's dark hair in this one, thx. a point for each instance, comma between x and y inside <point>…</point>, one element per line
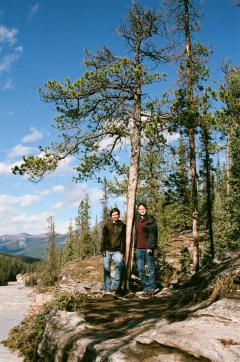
<point>115,209</point>
<point>142,204</point>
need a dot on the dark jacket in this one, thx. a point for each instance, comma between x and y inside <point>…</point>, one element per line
<point>113,236</point>
<point>152,232</point>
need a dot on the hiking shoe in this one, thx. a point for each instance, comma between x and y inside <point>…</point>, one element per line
<point>153,292</point>
<point>142,293</point>
<point>236,279</point>
<point>108,292</point>
<point>117,291</point>
<point>150,292</point>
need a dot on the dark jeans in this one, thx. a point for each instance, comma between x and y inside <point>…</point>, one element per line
<point>142,259</point>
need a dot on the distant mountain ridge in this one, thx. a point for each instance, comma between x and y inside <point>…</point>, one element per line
<point>27,244</point>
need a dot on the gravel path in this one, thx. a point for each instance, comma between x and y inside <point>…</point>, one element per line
<point>14,302</point>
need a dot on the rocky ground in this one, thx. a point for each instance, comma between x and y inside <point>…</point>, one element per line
<point>192,318</point>
<point>14,304</point>
<point>196,320</point>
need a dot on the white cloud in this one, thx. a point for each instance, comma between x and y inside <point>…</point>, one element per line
<point>58,188</point>
<point>14,218</point>
<point>77,192</point>
<point>54,189</point>
<point>8,85</point>
<point>23,201</point>
<point>33,136</point>
<point>64,167</point>
<point>62,227</point>
<point>33,11</point>
<point>18,222</point>
<point>9,53</point>
<point>8,36</point>
<point>95,194</point>
<point>5,168</point>
<point>29,199</point>
<point>171,137</point>
<point>19,151</point>
<point>107,142</point>
<point>57,205</point>
<point>7,60</point>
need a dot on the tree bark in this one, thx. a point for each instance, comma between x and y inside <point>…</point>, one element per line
<point>209,192</point>
<point>228,174</point>
<point>196,251</point>
<point>132,190</point>
<point>191,135</point>
<point>135,136</point>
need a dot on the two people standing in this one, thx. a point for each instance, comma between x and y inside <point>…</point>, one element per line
<point>113,247</point>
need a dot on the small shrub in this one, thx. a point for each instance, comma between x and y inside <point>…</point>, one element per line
<point>222,286</point>
<point>26,337</point>
<point>31,281</point>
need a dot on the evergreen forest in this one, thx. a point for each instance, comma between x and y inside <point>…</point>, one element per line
<point>11,265</point>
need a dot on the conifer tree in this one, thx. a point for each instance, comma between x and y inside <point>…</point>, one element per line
<point>104,202</point>
<point>108,101</point>
<point>85,242</point>
<point>151,174</point>
<point>51,260</point>
<point>230,96</point>
<point>192,70</point>
<point>177,190</point>
<point>207,125</point>
<point>70,252</point>
<point>96,238</point>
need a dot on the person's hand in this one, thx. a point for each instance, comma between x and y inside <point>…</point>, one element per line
<point>103,253</point>
<point>150,252</point>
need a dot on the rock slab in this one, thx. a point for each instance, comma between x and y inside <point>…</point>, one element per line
<point>211,334</point>
<point>15,300</point>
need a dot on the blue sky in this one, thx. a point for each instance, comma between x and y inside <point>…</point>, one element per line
<point>42,40</point>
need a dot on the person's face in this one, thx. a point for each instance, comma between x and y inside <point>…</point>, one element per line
<point>115,216</point>
<point>142,210</point>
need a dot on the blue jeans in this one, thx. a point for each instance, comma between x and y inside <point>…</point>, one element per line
<point>112,283</point>
<point>142,258</point>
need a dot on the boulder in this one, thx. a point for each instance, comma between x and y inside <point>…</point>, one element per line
<point>211,334</point>
<point>64,332</point>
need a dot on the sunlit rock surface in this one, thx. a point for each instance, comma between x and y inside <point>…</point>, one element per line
<point>14,302</point>
<point>210,334</point>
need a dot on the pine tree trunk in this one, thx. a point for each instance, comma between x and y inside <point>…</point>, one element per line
<point>191,135</point>
<point>135,136</point>
<point>208,191</point>
<point>131,198</point>
<point>194,200</point>
<point>228,175</point>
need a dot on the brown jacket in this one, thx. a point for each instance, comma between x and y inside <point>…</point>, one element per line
<point>113,236</point>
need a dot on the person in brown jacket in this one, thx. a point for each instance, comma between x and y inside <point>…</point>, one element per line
<point>112,248</point>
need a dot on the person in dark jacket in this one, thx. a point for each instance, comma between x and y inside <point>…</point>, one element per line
<point>146,235</point>
<point>113,248</point>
